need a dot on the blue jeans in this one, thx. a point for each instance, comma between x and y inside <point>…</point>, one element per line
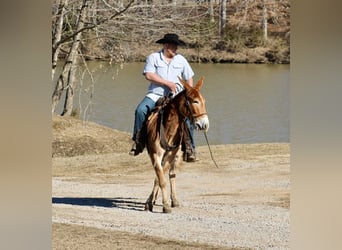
<point>191,131</point>
<point>141,113</point>
<point>143,110</point>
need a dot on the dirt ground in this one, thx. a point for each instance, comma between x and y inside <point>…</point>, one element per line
<point>98,195</point>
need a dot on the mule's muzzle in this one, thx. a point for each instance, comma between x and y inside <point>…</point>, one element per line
<point>202,123</point>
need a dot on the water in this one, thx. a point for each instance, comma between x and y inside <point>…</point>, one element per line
<point>246,103</point>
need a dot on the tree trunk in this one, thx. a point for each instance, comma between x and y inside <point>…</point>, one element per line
<point>264,19</point>
<point>211,11</point>
<point>71,84</point>
<point>66,80</point>
<point>58,34</point>
<point>222,17</point>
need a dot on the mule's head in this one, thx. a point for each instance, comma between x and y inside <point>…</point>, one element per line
<point>194,107</point>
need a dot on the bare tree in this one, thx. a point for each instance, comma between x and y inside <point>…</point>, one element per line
<point>67,78</point>
<point>264,20</point>
<point>211,11</point>
<point>66,81</point>
<point>70,66</point>
<point>58,28</point>
<point>222,17</point>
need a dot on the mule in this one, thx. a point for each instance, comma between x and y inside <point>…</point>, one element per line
<point>164,130</point>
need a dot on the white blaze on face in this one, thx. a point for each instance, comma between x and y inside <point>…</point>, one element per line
<point>202,123</point>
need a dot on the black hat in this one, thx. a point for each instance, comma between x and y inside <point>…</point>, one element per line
<point>171,38</point>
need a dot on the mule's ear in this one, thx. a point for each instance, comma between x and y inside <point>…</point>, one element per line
<point>184,83</point>
<point>199,83</point>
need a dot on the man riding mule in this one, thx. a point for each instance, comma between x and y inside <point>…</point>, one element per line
<point>164,133</point>
<point>162,70</point>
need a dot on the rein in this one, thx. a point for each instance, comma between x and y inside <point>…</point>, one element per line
<point>187,104</point>
<point>192,118</point>
<point>211,154</point>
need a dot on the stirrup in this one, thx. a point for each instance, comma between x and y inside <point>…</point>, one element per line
<point>133,149</point>
<point>136,149</point>
<point>189,156</point>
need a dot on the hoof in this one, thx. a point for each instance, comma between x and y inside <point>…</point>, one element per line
<point>166,209</point>
<point>175,203</point>
<point>148,207</point>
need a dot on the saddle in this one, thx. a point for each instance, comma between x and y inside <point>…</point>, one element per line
<point>141,136</point>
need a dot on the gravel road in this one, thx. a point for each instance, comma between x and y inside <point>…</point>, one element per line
<point>242,205</point>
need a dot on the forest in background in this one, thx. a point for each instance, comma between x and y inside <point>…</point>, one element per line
<point>131,36</point>
<point>118,31</point>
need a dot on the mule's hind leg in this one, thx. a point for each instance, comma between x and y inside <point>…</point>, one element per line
<point>153,196</point>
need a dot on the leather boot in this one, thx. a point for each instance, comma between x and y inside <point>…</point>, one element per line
<point>136,149</point>
<point>189,154</point>
<point>133,149</point>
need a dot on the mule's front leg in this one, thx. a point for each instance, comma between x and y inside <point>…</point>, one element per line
<point>172,177</point>
<point>162,185</point>
<point>174,201</point>
<point>157,165</point>
<point>153,196</point>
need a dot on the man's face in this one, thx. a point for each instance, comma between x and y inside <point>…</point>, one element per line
<point>171,48</point>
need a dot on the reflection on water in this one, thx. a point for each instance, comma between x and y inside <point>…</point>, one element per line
<point>245,103</point>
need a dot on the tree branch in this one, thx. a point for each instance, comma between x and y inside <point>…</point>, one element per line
<point>93,25</point>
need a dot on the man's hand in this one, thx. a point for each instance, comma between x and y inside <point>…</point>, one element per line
<point>153,77</point>
<point>172,86</point>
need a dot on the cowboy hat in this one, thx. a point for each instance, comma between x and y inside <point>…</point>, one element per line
<point>171,38</point>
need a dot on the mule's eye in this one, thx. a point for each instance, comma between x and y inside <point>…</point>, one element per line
<point>195,101</point>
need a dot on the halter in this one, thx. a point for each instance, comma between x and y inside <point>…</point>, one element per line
<point>188,106</point>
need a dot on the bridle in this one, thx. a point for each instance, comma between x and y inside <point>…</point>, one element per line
<point>192,119</point>
<point>188,106</point>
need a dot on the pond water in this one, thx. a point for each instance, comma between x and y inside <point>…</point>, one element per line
<point>246,103</point>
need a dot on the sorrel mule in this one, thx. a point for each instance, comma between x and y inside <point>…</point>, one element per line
<point>164,138</point>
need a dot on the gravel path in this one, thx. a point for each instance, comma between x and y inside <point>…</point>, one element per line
<point>244,204</point>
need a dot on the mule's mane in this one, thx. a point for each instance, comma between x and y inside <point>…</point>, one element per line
<point>178,102</point>
<point>167,115</point>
